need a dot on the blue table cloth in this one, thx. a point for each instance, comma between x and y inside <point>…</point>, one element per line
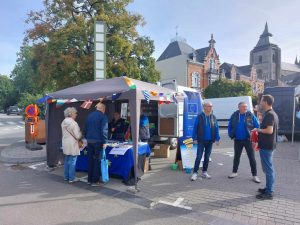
<point>119,165</point>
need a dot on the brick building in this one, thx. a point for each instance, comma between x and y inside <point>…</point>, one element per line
<point>195,68</point>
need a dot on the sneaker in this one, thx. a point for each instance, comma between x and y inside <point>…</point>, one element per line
<point>233,175</point>
<point>256,179</point>
<point>73,181</point>
<point>96,184</point>
<point>194,177</point>
<point>206,175</point>
<point>262,190</point>
<point>265,196</point>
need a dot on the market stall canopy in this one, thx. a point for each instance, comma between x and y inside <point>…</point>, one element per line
<point>106,88</point>
<point>125,88</point>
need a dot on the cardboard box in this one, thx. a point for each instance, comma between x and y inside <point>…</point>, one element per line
<point>161,151</point>
<point>146,165</point>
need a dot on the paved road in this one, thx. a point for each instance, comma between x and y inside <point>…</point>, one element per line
<point>11,129</point>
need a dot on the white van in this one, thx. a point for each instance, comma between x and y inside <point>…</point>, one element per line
<point>224,107</point>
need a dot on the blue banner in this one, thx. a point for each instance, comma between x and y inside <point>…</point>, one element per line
<point>192,108</point>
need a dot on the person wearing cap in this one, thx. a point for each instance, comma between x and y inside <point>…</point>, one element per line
<point>96,132</point>
<point>205,133</point>
<point>240,125</point>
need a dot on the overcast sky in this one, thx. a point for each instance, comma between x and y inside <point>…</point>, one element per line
<point>236,25</point>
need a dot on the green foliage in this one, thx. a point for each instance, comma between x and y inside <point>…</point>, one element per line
<point>28,98</point>
<point>7,92</point>
<point>227,88</point>
<point>62,46</point>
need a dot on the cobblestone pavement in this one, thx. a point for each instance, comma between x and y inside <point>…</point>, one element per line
<point>221,200</point>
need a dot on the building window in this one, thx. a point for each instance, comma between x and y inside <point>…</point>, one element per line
<point>273,58</point>
<point>259,74</point>
<point>212,64</point>
<point>260,59</point>
<point>195,80</point>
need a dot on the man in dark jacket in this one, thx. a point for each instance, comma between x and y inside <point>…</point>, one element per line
<point>205,133</point>
<point>117,127</point>
<point>239,128</point>
<point>96,128</point>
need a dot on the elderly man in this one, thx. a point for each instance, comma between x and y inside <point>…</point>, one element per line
<point>240,125</point>
<point>96,129</point>
<point>205,133</point>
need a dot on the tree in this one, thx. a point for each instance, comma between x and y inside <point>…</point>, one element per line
<point>7,94</point>
<point>227,88</point>
<point>63,45</point>
<point>24,75</point>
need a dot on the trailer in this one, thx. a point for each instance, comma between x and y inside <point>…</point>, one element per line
<point>177,119</point>
<point>287,106</point>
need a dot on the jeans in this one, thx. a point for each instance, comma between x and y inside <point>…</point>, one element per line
<point>205,146</point>
<point>266,157</point>
<point>93,155</point>
<point>238,148</point>
<point>69,167</point>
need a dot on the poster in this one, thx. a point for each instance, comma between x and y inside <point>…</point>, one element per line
<point>188,152</point>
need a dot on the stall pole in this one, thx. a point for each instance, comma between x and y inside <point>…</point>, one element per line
<point>135,106</point>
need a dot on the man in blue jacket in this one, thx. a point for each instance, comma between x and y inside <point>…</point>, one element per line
<point>96,129</point>
<point>205,133</point>
<point>239,128</point>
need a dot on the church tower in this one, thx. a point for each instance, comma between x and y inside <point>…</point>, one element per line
<point>266,57</point>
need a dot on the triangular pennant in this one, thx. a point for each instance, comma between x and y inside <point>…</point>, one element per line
<point>153,93</point>
<point>129,82</point>
<point>87,104</point>
<point>146,95</point>
<point>115,96</point>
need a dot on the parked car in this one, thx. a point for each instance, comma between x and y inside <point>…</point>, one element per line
<point>13,110</point>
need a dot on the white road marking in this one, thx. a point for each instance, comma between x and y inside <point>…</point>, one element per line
<point>21,122</point>
<point>220,164</point>
<point>174,204</point>
<point>21,140</point>
<point>10,123</point>
<point>1,124</point>
<point>19,126</point>
<point>34,167</point>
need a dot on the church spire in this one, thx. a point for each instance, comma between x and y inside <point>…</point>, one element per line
<point>212,41</point>
<point>296,61</point>
<point>264,38</point>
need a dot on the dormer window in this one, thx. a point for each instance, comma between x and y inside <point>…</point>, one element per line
<point>260,59</point>
<point>195,80</point>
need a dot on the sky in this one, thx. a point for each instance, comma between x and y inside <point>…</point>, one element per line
<point>235,24</point>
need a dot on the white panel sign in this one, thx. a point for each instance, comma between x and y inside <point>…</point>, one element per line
<point>100,51</point>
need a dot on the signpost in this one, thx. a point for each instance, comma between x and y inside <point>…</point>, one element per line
<point>32,112</point>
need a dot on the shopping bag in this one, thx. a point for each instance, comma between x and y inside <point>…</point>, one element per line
<point>104,168</point>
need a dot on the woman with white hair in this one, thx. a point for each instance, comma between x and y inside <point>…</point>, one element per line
<point>70,136</point>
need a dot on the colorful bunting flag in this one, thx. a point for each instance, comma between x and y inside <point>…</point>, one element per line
<point>174,99</point>
<point>129,82</point>
<point>73,100</point>
<point>43,99</point>
<point>115,96</point>
<point>51,100</point>
<point>153,93</point>
<point>87,104</point>
<point>147,96</point>
<point>60,102</point>
<point>168,99</point>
